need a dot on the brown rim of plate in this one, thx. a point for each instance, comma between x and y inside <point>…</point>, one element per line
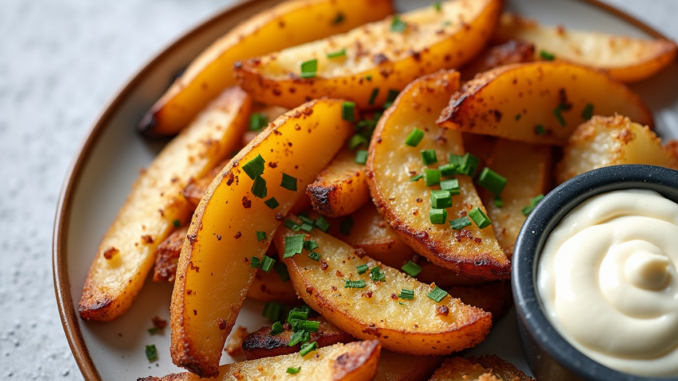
<point>69,316</point>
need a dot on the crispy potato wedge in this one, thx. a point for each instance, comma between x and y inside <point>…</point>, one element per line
<point>394,366</point>
<point>540,102</point>
<point>260,344</point>
<point>405,204</point>
<point>341,188</point>
<point>288,24</point>
<point>167,256</point>
<point>485,368</point>
<point>355,361</point>
<point>527,169</point>
<point>493,297</point>
<point>624,58</point>
<point>509,52</point>
<point>419,327</point>
<point>195,189</point>
<point>377,57</point>
<point>606,141</point>
<point>222,238</point>
<point>156,204</point>
<point>268,287</point>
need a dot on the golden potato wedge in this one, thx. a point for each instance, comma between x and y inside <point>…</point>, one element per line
<point>221,238</point>
<point>373,59</point>
<point>167,256</point>
<point>268,287</point>
<point>624,58</point>
<point>288,24</point>
<point>156,205</point>
<point>509,52</point>
<point>405,204</point>
<point>341,188</point>
<point>196,188</point>
<point>260,344</point>
<point>355,361</point>
<point>607,141</point>
<point>418,326</point>
<point>494,297</point>
<point>527,169</point>
<point>485,368</point>
<point>540,102</point>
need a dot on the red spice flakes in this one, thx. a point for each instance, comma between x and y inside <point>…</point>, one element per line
<point>442,311</point>
<point>238,235</point>
<point>147,238</point>
<point>222,324</point>
<point>323,265</point>
<point>110,253</point>
<point>159,323</point>
<point>246,203</point>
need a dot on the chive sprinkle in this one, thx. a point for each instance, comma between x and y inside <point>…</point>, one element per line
<point>272,203</point>
<point>255,263</point>
<point>308,348</point>
<point>377,275</point>
<point>281,269</point>
<point>345,226</point>
<point>437,216</point>
<point>258,120</point>
<point>339,19</point>
<point>267,263</point>
<point>518,116</point>
<point>480,218</point>
<point>406,294</point>
<point>546,55</point>
<point>391,97</point>
<point>176,223</point>
<point>299,313</point>
<point>361,156</point>
<point>259,188</point>
<point>299,337</point>
<point>557,113</point>
<point>308,325</point>
<point>460,223</point>
<point>274,311</point>
<point>416,177</point>
<point>293,370</point>
<point>348,111</point>
<point>533,203</point>
<point>587,113</point>
<point>539,129</point>
<point>374,95</point>
<point>414,137</point>
<point>448,169</point>
<point>441,199</point>
<point>398,25</point>
<point>337,54</point>
<point>290,224</point>
<point>322,224</point>
<point>151,352</point>
<point>437,294</point>
<point>357,140</point>
<point>309,68</point>
<point>306,227</point>
<point>354,284</point>
<point>451,185</point>
<point>255,167</point>
<point>153,331</point>
<point>498,202</point>
<point>304,218</point>
<point>277,329</point>
<point>410,268</point>
<point>492,181</point>
<point>429,157</point>
<point>294,244</point>
<point>310,245</point>
<point>469,165</point>
<point>314,256</point>
<point>368,77</point>
<point>362,269</point>
<point>431,176</point>
<point>288,182</point>
<point>437,6</point>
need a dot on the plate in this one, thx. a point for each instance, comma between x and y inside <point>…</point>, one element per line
<point>107,164</point>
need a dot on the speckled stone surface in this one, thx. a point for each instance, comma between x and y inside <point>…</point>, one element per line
<point>60,61</point>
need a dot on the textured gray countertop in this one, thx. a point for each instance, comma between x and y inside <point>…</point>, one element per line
<point>60,61</point>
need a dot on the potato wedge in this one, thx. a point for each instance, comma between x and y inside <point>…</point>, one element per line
<point>156,205</point>
<point>195,189</point>
<point>378,57</point>
<point>405,204</point>
<point>268,287</point>
<point>394,366</point>
<point>341,188</point>
<point>624,58</point>
<point>288,24</point>
<point>221,238</point>
<point>443,277</point>
<point>606,141</point>
<point>494,297</point>
<point>510,52</point>
<point>269,113</point>
<point>527,169</point>
<point>419,326</point>
<point>260,344</point>
<point>355,361</point>
<point>167,256</point>
<point>540,102</point>
<point>485,368</point>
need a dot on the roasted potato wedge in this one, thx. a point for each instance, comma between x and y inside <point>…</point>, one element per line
<point>288,24</point>
<point>394,366</point>
<point>540,102</point>
<point>527,169</point>
<point>509,52</point>
<point>156,205</point>
<point>485,368</point>
<point>268,287</point>
<point>221,238</point>
<point>606,141</point>
<point>418,326</point>
<point>405,204</point>
<point>493,297</point>
<point>260,344</point>
<point>167,256</point>
<point>375,58</point>
<point>341,188</point>
<point>624,58</point>
<point>355,361</point>
<point>196,188</point>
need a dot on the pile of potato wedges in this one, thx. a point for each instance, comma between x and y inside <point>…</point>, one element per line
<point>365,174</point>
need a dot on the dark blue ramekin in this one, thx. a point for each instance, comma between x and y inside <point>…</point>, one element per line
<point>548,354</point>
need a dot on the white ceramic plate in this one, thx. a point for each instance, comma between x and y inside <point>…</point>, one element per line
<point>108,163</point>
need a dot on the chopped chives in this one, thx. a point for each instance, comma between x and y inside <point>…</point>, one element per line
<point>261,236</point>
<point>281,269</point>
<point>587,113</point>
<point>431,176</point>
<point>258,120</point>
<point>437,294</point>
<point>406,294</point>
<point>274,311</point>
<point>267,263</point>
<point>259,189</point>
<point>322,224</point>
<point>480,218</point>
<point>308,325</point>
<point>176,223</point>
<point>416,177</point>
<point>361,157</point>
<point>292,225</point>
<point>546,55</point>
<point>451,185</point>
<point>492,181</point>
<point>151,352</point>
<point>348,111</point>
<point>437,216</point>
<point>414,137</point>
<point>354,284</point>
<point>304,218</point>
<point>411,268</point>
<point>362,269</point>
<point>345,226</point>
<point>310,245</point>
<point>153,331</point>
<point>374,95</point>
<point>357,140</point>
<point>299,313</point>
<point>294,244</point>
<point>255,263</point>
<point>272,203</point>
<point>306,227</point>
<point>457,160</point>
<point>398,25</point>
<point>437,6</point>
<point>429,157</point>
<point>255,167</point>
<point>559,116</point>
<point>460,223</point>
<point>299,337</point>
<point>539,129</point>
<point>498,202</point>
<point>308,348</point>
<point>469,165</point>
<point>293,370</point>
<point>289,182</point>
<point>277,328</point>
<point>368,77</point>
<point>533,203</point>
<point>441,199</point>
<point>391,97</point>
<point>337,54</point>
<point>339,19</point>
<point>309,68</point>
<point>448,170</point>
<point>377,275</point>
<point>314,256</point>
<point>518,116</point>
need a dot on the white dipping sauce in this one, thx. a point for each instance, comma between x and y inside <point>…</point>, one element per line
<point>607,280</point>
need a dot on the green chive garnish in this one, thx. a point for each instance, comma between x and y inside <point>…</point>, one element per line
<point>309,68</point>
<point>391,97</point>
<point>292,225</point>
<point>345,226</point>
<point>288,182</point>
<point>258,120</point>
<point>255,263</point>
<point>176,223</point>
<point>348,111</point>
<point>412,269</point>
<point>431,176</point>
<point>281,269</point>
<point>337,54</point>
<point>322,224</point>
<point>314,256</point>
<point>310,245</point>
<point>299,337</point>
<point>468,164</point>
<point>492,181</point>
<point>429,157</point>
<point>559,116</point>
<point>277,328</point>
<point>304,218</point>
<point>368,77</point>
<point>308,348</point>
<point>361,156</point>
<point>480,218</point>
<point>274,311</point>
<point>377,275</point>
<point>306,227</point>
<point>587,113</point>
<point>356,140</point>
<point>398,25</point>
<point>441,199</point>
<point>416,177</point>
<point>406,294</point>
<point>546,55</point>
<point>255,167</point>
<point>498,202</point>
<point>362,269</point>
<point>293,370</point>
<point>533,203</point>
<point>259,187</point>
<point>539,129</point>
<point>299,313</point>
<point>374,95</point>
<point>272,203</point>
<point>354,284</point>
<point>267,263</point>
<point>308,325</point>
<point>339,19</point>
<point>437,294</point>
<point>437,216</point>
<point>437,6</point>
<point>153,331</point>
<point>451,185</point>
<point>294,244</point>
<point>414,137</point>
<point>151,352</point>
<point>518,116</point>
<point>460,223</point>
<point>448,170</point>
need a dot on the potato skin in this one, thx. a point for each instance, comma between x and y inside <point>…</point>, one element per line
<point>286,24</point>
<point>507,53</point>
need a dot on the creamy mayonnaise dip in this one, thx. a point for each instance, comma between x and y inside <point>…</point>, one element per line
<point>608,283</point>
